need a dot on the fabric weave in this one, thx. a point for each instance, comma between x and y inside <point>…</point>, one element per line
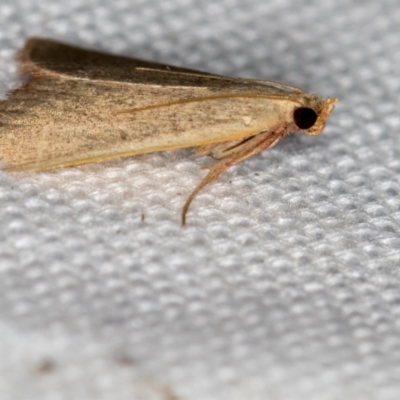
<point>285,282</point>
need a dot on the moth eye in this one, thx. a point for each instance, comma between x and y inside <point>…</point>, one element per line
<point>304,117</point>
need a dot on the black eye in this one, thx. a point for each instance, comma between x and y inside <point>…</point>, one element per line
<point>305,117</point>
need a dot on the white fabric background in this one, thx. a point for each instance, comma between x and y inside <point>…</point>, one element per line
<point>285,283</point>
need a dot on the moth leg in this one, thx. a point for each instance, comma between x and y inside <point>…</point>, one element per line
<point>258,143</point>
<point>215,171</point>
<point>217,149</point>
<point>205,149</point>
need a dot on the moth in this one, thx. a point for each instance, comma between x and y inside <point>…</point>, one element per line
<point>80,106</point>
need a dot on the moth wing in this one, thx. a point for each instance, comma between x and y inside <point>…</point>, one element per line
<point>88,107</point>
<point>43,57</point>
<point>48,57</point>
<point>56,123</point>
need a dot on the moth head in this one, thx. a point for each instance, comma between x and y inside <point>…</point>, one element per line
<point>311,117</point>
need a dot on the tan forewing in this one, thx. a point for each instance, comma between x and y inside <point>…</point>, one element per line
<point>89,107</point>
<point>41,56</point>
<point>53,123</point>
<point>47,57</point>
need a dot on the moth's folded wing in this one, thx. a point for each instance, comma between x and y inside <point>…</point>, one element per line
<point>43,57</point>
<point>61,121</point>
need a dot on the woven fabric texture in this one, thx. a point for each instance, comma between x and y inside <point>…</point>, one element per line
<point>284,285</point>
